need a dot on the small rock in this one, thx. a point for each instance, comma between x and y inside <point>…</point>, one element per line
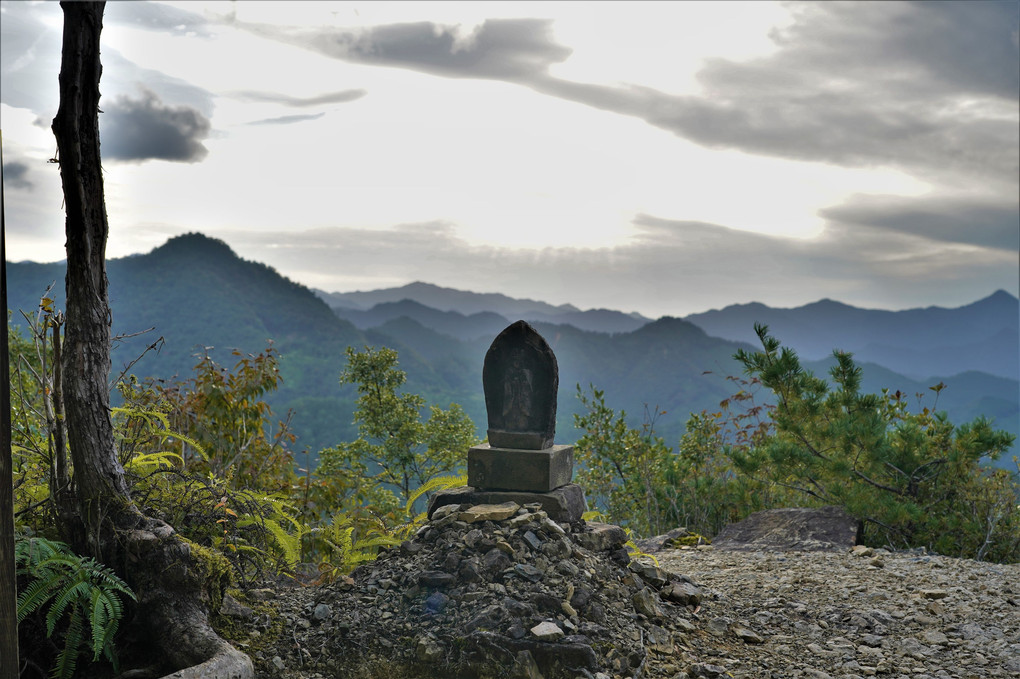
<point>436,579</point>
<point>428,649</point>
<point>533,540</point>
<point>546,631</point>
<point>646,602</point>
<point>683,593</point>
<point>747,636</point>
<point>706,671</point>
<point>934,593</point>
<point>601,537</point>
<point>233,608</point>
<point>488,512</point>
<point>445,511</point>
<point>322,612</point>
<point>718,626</point>
<point>436,602</point>
<point>528,572</point>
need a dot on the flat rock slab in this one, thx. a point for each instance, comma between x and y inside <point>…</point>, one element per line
<point>565,504</point>
<point>796,529</point>
<point>489,512</point>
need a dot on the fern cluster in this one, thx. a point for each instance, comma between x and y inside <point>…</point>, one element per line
<point>80,591</point>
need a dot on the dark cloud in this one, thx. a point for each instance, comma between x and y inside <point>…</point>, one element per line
<point>498,49</point>
<point>341,97</point>
<point>147,129</point>
<point>16,175</point>
<point>287,120</point>
<point>970,222</point>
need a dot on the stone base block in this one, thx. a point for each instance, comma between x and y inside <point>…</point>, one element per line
<point>565,504</point>
<point>520,470</point>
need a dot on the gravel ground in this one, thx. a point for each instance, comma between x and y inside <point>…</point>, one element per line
<point>494,589</point>
<point>847,615</point>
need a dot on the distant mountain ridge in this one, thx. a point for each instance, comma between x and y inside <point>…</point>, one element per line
<point>198,293</point>
<point>366,309</point>
<point>982,336</point>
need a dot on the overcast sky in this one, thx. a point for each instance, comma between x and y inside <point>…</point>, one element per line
<point>665,158</point>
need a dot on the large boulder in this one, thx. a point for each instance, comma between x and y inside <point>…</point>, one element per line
<point>796,529</point>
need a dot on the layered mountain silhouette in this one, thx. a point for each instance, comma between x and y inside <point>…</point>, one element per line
<point>983,336</point>
<point>199,296</point>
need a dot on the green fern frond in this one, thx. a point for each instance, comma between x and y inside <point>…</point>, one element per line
<point>82,591</point>
<point>290,544</point>
<point>378,541</point>
<point>145,461</point>
<point>68,656</point>
<point>35,595</point>
<point>71,594</point>
<point>435,483</point>
<point>635,553</point>
<point>166,431</point>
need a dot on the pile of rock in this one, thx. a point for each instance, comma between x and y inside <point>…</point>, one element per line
<point>492,591</point>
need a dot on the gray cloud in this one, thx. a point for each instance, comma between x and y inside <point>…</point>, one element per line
<point>16,175</point>
<point>854,84</point>
<point>287,120</point>
<point>147,129</point>
<point>498,49</point>
<point>971,222</point>
<point>669,267</point>
<point>341,97</point>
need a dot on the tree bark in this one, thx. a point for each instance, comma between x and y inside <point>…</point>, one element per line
<point>98,483</point>
<point>173,586</point>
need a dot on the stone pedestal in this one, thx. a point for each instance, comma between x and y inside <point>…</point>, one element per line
<point>537,471</point>
<point>565,504</point>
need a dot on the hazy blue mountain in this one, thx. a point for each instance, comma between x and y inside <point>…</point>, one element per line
<point>197,293</point>
<point>452,323</point>
<point>444,299</point>
<point>364,309</point>
<point>983,336</point>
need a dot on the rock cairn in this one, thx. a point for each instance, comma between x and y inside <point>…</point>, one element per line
<point>490,591</point>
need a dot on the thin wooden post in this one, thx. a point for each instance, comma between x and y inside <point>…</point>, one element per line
<point>8,581</point>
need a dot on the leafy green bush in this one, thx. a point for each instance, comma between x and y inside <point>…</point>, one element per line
<point>913,477</point>
<point>395,449</point>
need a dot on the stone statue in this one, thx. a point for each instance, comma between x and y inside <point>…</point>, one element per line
<point>520,463</point>
<point>520,379</point>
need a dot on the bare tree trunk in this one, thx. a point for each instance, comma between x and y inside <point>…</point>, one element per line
<point>8,581</point>
<point>174,588</point>
<point>99,484</point>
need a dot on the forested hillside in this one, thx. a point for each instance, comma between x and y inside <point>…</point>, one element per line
<point>199,296</point>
